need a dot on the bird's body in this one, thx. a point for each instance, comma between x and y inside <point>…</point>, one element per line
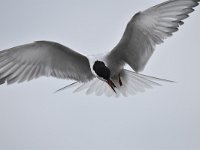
<point>101,73</point>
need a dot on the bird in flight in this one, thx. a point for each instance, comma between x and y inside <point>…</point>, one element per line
<point>102,74</point>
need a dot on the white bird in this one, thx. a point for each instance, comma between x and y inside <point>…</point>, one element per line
<point>104,75</point>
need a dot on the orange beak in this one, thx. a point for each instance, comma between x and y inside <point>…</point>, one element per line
<point>111,84</point>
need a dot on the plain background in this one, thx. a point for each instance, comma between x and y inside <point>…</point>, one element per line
<point>32,117</point>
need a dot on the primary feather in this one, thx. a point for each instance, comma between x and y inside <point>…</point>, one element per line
<point>43,58</point>
<point>147,29</point>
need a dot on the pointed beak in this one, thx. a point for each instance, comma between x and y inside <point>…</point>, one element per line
<point>111,84</point>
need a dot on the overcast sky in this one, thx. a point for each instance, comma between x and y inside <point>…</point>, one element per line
<point>32,117</point>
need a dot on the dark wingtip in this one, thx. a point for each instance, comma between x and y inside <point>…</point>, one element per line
<point>3,80</point>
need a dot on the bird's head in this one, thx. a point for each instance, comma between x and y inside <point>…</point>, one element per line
<point>103,72</point>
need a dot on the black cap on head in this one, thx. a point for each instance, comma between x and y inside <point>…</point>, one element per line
<point>101,70</point>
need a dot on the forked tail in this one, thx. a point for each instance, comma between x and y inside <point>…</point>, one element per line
<point>132,83</point>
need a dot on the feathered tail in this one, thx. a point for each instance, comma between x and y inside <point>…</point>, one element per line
<point>132,83</point>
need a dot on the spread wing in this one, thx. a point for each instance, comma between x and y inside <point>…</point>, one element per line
<point>43,58</point>
<point>149,28</point>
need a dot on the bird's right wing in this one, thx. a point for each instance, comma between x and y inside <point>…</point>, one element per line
<point>147,29</point>
<point>43,58</point>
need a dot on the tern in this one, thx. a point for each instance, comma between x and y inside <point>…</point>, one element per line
<point>104,74</point>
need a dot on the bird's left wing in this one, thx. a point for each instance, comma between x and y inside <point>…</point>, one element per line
<point>43,58</point>
<point>147,29</point>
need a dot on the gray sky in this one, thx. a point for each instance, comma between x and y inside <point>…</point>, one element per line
<point>33,118</point>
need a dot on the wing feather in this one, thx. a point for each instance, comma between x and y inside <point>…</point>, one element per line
<point>43,58</point>
<point>147,29</point>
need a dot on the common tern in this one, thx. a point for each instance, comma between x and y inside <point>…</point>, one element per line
<point>105,74</point>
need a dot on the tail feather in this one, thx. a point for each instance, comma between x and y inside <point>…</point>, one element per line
<point>132,83</point>
<point>74,84</point>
